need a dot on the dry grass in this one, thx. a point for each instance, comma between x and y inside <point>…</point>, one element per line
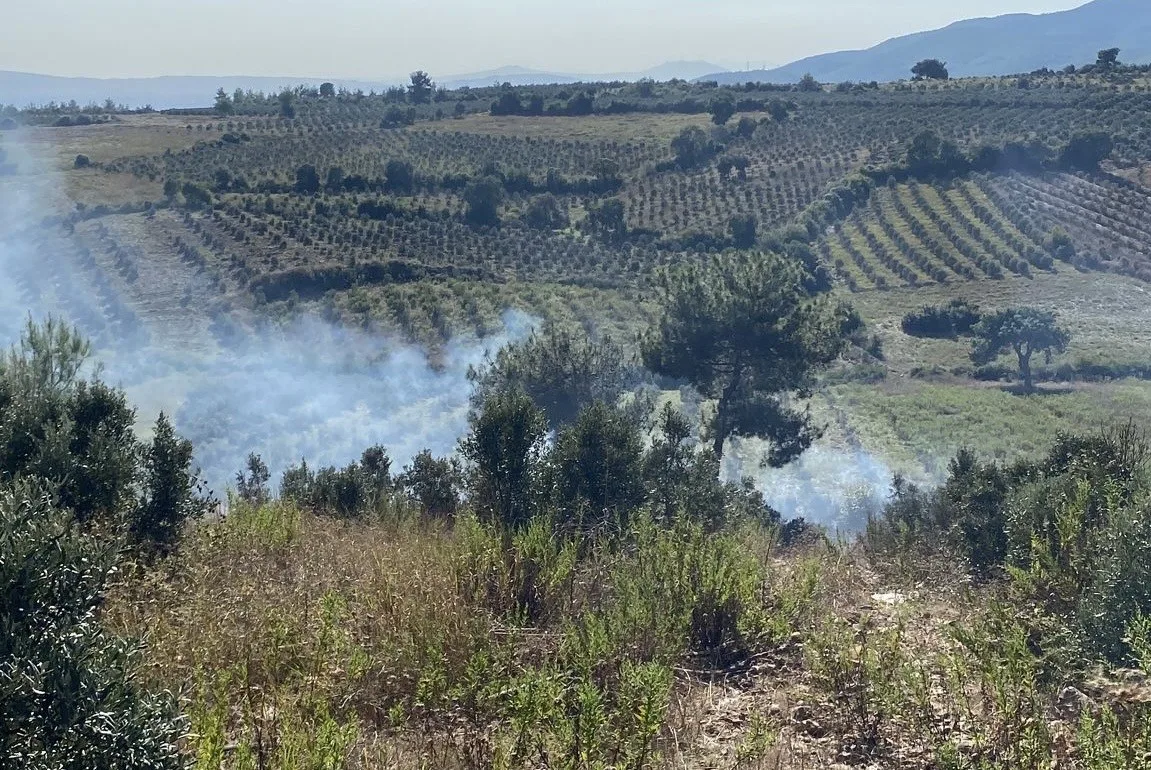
<point>298,641</point>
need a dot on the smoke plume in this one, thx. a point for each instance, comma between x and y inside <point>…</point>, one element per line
<point>310,389</point>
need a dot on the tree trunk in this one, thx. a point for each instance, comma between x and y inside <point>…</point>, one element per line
<point>719,441</point>
<point>1025,370</point>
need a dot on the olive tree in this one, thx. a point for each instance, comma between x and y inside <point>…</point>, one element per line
<point>1025,331</point>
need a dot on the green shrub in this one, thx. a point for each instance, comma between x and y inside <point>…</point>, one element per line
<point>68,698</point>
<point>504,454</point>
<point>434,483</point>
<point>357,489</point>
<point>596,470</point>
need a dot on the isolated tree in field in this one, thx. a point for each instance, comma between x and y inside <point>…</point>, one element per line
<point>421,89</point>
<point>1108,58</point>
<point>722,110</point>
<point>809,83</point>
<point>327,90</point>
<point>744,332</point>
<point>778,110</point>
<point>483,198</point>
<point>1026,331</point>
<point>307,180</point>
<point>224,105</point>
<point>741,163</point>
<point>1087,150</point>
<point>607,221</point>
<point>930,69</point>
<point>692,147</point>
<point>545,212</point>
<point>746,126</point>
<point>724,166</point>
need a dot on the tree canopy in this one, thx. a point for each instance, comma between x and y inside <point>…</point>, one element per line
<point>1108,58</point>
<point>484,197</point>
<point>745,333</point>
<point>1026,331</point>
<point>930,69</point>
<point>421,89</point>
<point>1086,150</point>
<point>722,110</point>
<point>561,370</point>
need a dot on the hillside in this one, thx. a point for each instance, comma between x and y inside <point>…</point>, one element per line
<point>1002,45</point>
<point>485,383</point>
<point>192,233</point>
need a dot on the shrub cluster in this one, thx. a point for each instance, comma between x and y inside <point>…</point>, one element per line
<point>1071,530</point>
<point>955,319</point>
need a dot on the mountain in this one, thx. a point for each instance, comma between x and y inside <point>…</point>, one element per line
<point>22,88</point>
<point>1001,45</point>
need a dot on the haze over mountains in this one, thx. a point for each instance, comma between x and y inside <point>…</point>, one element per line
<point>1001,45</point>
<point>166,92</point>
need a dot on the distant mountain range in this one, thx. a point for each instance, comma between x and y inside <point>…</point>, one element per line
<point>1002,45</point>
<point>22,89</point>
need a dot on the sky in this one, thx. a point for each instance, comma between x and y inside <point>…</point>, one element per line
<point>368,39</point>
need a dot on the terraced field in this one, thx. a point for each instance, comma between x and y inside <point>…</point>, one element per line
<point>991,226</point>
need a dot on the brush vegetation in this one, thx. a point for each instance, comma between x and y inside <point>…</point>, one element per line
<point>597,599</point>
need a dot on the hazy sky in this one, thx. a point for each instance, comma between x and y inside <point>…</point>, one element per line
<point>365,39</point>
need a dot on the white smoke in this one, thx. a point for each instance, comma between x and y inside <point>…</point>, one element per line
<point>309,389</point>
<point>831,486</point>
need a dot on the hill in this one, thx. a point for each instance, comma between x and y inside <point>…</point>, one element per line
<point>989,46</point>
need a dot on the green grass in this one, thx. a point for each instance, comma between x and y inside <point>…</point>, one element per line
<point>918,426</point>
<point>1107,315</point>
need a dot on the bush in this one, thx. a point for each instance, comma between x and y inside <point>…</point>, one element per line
<point>596,470</point>
<point>352,491</point>
<point>433,483</point>
<point>946,322</point>
<point>67,688</point>
<point>1072,531</point>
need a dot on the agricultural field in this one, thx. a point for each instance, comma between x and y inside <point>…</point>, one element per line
<point>184,228</point>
